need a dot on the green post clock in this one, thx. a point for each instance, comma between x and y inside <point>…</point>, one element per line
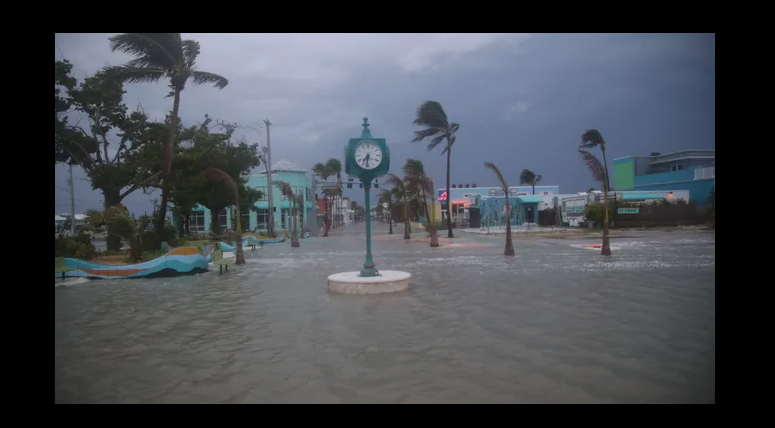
<point>367,158</point>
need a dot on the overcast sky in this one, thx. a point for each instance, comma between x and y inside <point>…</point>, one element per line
<point>523,100</point>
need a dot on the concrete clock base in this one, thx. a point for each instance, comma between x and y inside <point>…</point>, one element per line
<point>390,281</point>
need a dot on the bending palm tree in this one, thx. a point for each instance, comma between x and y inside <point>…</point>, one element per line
<point>287,191</point>
<point>509,250</point>
<point>160,55</point>
<point>530,178</point>
<point>431,115</point>
<point>415,174</point>
<point>589,139</point>
<point>217,174</point>
<point>399,191</point>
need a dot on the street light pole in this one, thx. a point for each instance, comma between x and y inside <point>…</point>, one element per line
<point>269,185</point>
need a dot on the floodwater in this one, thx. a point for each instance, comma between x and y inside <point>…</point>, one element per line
<point>555,324</point>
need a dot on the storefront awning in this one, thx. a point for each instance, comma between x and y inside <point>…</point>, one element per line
<point>641,196</point>
<point>530,199</point>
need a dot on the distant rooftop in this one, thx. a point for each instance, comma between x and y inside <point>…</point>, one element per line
<point>286,166</point>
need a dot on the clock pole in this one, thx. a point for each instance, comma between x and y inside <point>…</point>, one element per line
<point>368,265</point>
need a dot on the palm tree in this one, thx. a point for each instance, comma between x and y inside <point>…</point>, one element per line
<point>158,55</point>
<point>332,167</point>
<point>414,171</point>
<point>530,178</point>
<point>431,115</point>
<point>287,191</point>
<point>593,138</point>
<point>509,250</point>
<point>387,196</point>
<point>401,194</point>
<point>219,175</point>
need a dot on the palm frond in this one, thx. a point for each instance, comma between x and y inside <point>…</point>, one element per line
<point>450,141</point>
<point>591,138</point>
<point>322,170</point>
<point>285,188</point>
<point>430,114</point>
<point>157,47</point>
<point>426,133</point>
<point>191,50</point>
<point>435,142</point>
<point>504,185</point>
<point>135,75</point>
<point>414,168</point>
<point>526,176</point>
<point>594,165</point>
<point>202,77</point>
<point>334,165</point>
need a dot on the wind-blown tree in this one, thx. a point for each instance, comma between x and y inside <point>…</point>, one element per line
<point>217,175</point>
<point>332,167</point>
<point>400,193</point>
<point>438,128</point>
<point>287,191</point>
<point>121,223</point>
<point>590,139</point>
<point>414,172</point>
<point>509,250</point>
<point>529,178</point>
<point>113,146</point>
<point>157,56</point>
<point>202,148</point>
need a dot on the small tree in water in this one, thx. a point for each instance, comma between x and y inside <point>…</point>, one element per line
<point>593,138</point>
<point>219,175</point>
<point>509,250</point>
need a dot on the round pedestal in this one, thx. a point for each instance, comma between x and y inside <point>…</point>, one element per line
<point>350,283</point>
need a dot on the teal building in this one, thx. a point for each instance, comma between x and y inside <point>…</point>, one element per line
<point>257,220</point>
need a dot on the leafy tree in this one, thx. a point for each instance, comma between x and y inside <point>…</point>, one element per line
<point>200,149</point>
<point>530,178</point>
<point>157,56</point>
<point>509,250</point>
<point>438,128</point>
<point>118,219</point>
<point>593,138</point>
<point>115,147</point>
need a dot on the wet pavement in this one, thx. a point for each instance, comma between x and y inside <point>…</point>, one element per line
<point>555,324</point>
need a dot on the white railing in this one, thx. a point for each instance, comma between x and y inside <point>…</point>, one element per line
<point>705,173</point>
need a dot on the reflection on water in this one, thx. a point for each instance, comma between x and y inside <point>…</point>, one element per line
<point>555,324</point>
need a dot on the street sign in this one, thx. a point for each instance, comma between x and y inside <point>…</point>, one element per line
<point>628,210</point>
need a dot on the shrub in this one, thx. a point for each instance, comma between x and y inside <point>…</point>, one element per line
<point>79,246</point>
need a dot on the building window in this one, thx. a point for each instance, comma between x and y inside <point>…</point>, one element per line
<point>262,219</point>
<point>222,219</point>
<point>677,167</point>
<point>264,193</point>
<point>244,218</point>
<point>546,193</point>
<point>197,222</point>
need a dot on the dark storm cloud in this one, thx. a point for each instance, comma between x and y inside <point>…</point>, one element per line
<point>523,101</point>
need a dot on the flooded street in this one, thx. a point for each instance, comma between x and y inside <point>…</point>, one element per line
<point>555,324</point>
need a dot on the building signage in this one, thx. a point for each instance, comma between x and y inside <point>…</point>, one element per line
<point>442,196</point>
<point>628,210</point>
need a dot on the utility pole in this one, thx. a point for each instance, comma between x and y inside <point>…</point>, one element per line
<point>269,185</point>
<point>72,201</point>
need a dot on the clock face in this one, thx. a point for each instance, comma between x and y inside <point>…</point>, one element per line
<point>368,155</point>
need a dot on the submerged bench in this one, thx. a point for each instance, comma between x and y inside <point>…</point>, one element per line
<point>219,261</point>
<point>63,270</point>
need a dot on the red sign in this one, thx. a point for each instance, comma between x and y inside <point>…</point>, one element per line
<point>442,196</point>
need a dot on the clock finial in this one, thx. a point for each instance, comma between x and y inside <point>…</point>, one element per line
<point>366,133</point>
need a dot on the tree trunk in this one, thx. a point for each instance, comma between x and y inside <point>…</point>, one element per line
<point>606,247</point>
<point>240,253</point>
<point>168,151</point>
<point>390,216</point>
<point>112,198</point>
<point>509,250</point>
<point>215,225</point>
<point>449,197</point>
